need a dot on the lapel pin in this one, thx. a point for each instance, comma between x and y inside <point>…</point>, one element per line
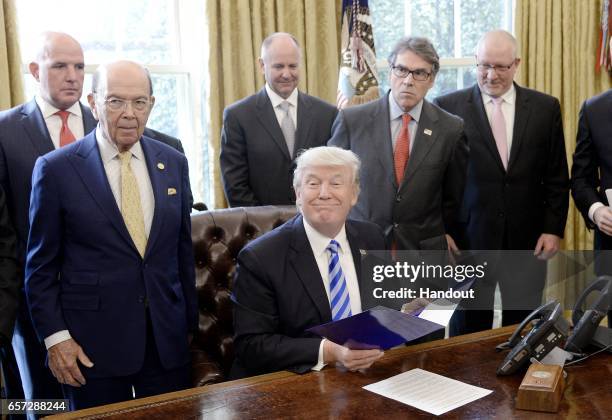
<point>427,131</point>
<point>363,252</point>
<point>161,166</point>
<point>171,191</point>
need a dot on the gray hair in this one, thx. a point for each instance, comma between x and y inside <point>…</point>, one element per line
<point>326,156</point>
<point>421,47</point>
<point>95,79</point>
<point>270,38</point>
<point>499,34</point>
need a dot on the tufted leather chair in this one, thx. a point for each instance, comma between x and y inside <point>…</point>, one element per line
<point>218,236</point>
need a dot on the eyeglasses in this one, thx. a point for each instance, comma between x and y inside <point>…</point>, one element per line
<point>499,69</point>
<point>117,104</point>
<point>402,72</point>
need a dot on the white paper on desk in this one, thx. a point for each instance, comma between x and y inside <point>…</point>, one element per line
<point>439,311</point>
<point>428,391</point>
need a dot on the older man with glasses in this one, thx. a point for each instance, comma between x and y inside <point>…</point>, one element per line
<point>516,196</point>
<point>414,155</point>
<point>110,277</point>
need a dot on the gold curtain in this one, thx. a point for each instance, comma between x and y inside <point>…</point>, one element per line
<point>236,30</point>
<point>11,78</point>
<point>558,47</point>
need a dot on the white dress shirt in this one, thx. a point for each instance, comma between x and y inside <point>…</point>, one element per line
<point>54,122</point>
<point>112,166</point>
<point>508,109</point>
<point>277,100</point>
<point>319,243</point>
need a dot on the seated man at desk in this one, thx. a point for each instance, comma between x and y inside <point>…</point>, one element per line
<point>305,273</point>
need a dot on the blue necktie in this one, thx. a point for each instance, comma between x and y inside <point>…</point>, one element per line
<point>338,291</point>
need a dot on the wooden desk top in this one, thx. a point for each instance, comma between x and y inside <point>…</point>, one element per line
<point>333,393</point>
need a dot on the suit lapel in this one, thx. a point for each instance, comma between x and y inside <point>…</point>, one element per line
<point>35,126</point>
<point>306,269</point>
<point>483,126</point>
<point>379,133</point>
<point>522,109</point>
<point>267,117</point>
<point>87,162</point>
<point>156,160</point>
<point>356,246</point>
<point>304,122</point>
<point>426,136</point>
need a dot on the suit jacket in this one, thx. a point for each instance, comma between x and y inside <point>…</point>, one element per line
<point>9,280</point>
<point>592,163</point>
<point>511,209</point>
<point>417,213</point>
<point>278,294</point>
<point>256,167</point>
<point>84,273</point>
<point>23,138</point>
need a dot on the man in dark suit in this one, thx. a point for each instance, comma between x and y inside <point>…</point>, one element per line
<point>414,155</point>
<point>110,275</point>
<point>283,286</point>
<point>9,280</point>
<point>516,196</point>
<point>28,131</point>
<point>592,175</point>
<point>263,133</point>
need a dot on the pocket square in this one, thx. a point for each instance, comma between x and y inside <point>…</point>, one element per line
<point>171,191</point>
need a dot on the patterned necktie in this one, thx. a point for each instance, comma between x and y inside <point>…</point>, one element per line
<point>402,149</point>
<point>498,126</point>
<point>66,136</point>
<point>338,291</point>
<point>131,210</point>
<point>287,127</point>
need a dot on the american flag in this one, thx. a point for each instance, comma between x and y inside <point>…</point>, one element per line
<point>358,79</point>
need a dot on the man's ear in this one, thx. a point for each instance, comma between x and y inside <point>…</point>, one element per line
<point>261,65</point>
<point>34,70</point>
<point>92,104</point>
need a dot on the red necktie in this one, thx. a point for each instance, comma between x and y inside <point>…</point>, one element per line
<point>402,149</point>
<point>66,136</point>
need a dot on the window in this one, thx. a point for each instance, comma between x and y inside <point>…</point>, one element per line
<point>453,26</point>
<point>152,32</point>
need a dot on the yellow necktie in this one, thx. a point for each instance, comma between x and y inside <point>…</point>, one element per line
<point>131,209</point>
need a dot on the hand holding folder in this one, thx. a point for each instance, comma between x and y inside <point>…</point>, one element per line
<point>377,328</point>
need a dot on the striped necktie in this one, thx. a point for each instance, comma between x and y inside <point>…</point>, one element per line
<point>338,291</point>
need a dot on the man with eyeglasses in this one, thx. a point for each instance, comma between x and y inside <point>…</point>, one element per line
<point>413,154</point>
<point>110,277</point>
<point>516,196</point>
<point>53,118</point>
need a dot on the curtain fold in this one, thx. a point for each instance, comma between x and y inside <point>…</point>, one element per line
<point>236,30</point>
<point>11,78</point>
<point>558,42</point>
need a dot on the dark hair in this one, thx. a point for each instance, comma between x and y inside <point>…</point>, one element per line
<point>421,47</point>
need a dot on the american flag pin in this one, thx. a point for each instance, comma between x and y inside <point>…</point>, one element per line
<point>427,131</point>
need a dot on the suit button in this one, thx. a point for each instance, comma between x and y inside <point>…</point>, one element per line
<point>501,214</point>
<point>141,299</point>
<point>395,225</point>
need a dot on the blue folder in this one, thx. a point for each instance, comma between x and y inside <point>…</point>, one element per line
<point>377,328</point>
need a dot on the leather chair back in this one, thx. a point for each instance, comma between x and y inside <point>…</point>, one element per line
<point>218,236</point>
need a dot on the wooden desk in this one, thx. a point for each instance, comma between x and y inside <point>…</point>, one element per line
<point>332,393</point>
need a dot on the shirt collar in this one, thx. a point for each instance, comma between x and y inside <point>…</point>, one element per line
<point>276,99</point>
<point>108,149</point>
<point>47,109</point>
<point>509,96</point>
<point>319,242</point>
<point>396,112</point>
